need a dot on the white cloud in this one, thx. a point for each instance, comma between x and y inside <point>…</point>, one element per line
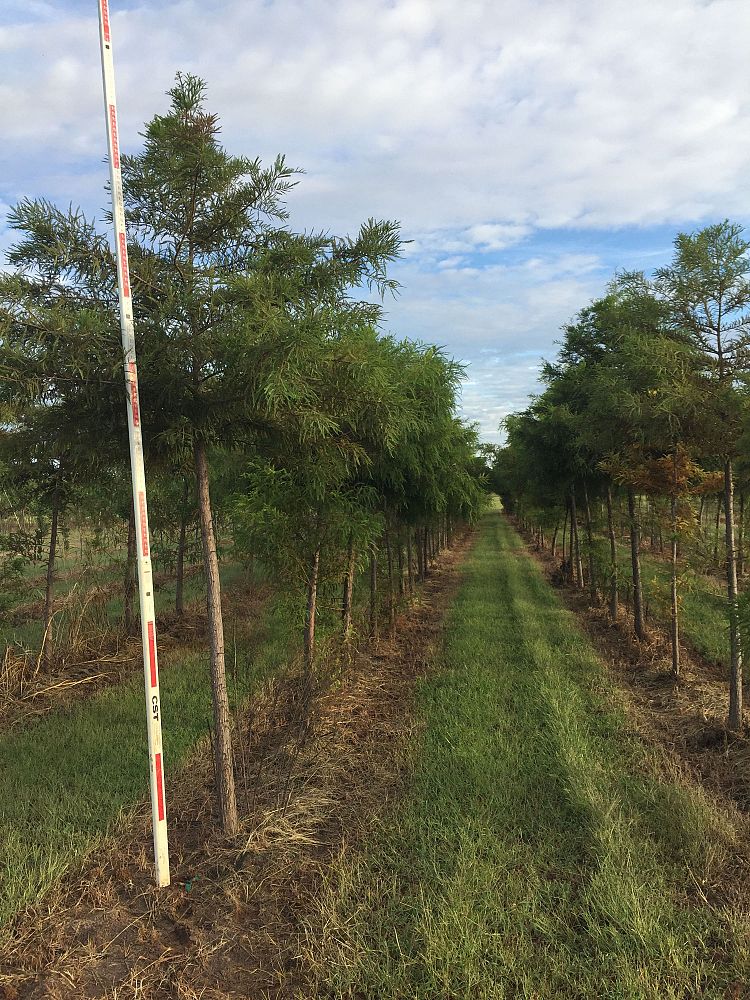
<point>480,125</point>
<point>469,117</point>
<point>496,236</point>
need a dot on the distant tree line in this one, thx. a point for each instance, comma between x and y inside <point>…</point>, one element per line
<point>647,401</point>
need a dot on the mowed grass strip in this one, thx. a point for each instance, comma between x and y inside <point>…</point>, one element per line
<point>65,781</point>
<point>535,853</point>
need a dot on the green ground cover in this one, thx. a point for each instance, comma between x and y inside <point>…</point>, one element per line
<point>28,634</point>
<point>535,854</point>
<point>703,604</point>
<point>65,780</point>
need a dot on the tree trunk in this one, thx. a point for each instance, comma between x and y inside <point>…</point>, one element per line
<point>373,592</point>
<point>716,529</point>
<point>554,538</point>
<point>675,630</point>
<point>613,602</point>
<point>409,561</point>
<point>179,602</point>
<point>400,561</point>
<point>391,602</point>
<point>576,541</point>
<point>222,719</point>
<point>420,554</point>
<point>46,637</point>
<point>589,542</point>
<point>735,646</point>
<point>312,602</point>
<point>741,537</point>
<point>129,588</point>
<point>635,559</point>
<point>425,553</point>
<point>565,531</point>
<point>346,608</point>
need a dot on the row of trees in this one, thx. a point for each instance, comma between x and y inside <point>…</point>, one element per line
<point>647,397</point>
<point>264,380</point>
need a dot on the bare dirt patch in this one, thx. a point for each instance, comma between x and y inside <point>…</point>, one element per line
<point>314,761</point>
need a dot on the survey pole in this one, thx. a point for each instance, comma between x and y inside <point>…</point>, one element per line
<point>145,574</point>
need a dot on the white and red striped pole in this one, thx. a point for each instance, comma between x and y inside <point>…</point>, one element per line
<point>145,575</point>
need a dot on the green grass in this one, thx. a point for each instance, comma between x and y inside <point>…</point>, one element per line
<point>65,781</point>
<point>28,635</point>
<point>703,605</point>
<point>535,854</point>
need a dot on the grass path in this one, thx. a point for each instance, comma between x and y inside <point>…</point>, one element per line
<point>535,854</point>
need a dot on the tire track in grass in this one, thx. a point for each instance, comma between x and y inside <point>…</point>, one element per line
<point>535,854</point>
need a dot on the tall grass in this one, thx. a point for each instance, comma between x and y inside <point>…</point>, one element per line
<point>535,854</point>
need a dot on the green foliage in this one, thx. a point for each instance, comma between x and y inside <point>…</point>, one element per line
<point>536,852</point>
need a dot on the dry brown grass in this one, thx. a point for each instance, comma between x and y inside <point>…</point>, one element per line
<point>314,761</point>
<point>87,653</point>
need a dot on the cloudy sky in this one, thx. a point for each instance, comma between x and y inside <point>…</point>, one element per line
<point>528,147</point>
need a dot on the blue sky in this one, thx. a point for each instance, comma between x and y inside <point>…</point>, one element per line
<point>528,147</point>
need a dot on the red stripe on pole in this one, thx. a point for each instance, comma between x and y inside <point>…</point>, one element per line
<point>134,394</point>
<point>142,519</point>
<point>115,140</point>
<point>105,20</point>
<point>124,266</point>
<point>159,788</point>
<point>152,653</point>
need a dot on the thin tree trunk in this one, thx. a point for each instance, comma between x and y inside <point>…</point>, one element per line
<point>735,646</point>
<point>222,719</point>
<point>400,561</point>
<point>129,587</point>
<point>373,592</point>
<point>675,606</point>
<point>716,529</point>
<point>652,541</point>
<point>589,542</point>
<point>179,601</point>
<point>741,537</point>
<point>613,602</point>
<point>425,553</point>
<point>46,637</point>
<point>420,553</point>
<point>409,561</point>
<point>312,602</point>
<point>346,609</point>
<point>635,559</point>
<point>576,540</point>
<point>391,602</point>
<point>565,531</point>
<point>554,538</point>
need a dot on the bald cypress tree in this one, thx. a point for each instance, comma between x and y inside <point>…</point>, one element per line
<point>707,286</point>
